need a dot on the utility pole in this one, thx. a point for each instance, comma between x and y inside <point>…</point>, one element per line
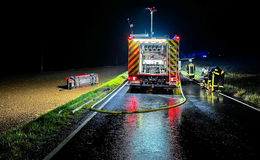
<point>44,50</point>
<point>42,55</point>
<point>42,61</point>
<point>153,9</point>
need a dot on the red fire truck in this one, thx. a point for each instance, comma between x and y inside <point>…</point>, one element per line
<point>153,62</point>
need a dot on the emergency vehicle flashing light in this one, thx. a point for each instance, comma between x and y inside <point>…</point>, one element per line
<point>177,37</point>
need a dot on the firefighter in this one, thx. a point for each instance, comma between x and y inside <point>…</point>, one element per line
<point>191,69</point>
<point>215,80</point>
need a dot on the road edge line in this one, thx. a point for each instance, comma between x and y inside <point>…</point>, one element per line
<point>240,102</point>
<point>70,136</point>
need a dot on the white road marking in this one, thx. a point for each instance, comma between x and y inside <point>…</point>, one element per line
<point>102,106</point>
<point>68,138</point>
<point>77,109</point>
<point>240,102</point>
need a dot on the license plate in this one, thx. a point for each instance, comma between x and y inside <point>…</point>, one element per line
<point>134,82</point>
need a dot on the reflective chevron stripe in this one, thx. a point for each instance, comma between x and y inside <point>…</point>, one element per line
<point>133,57</point>
<point>173,57</point>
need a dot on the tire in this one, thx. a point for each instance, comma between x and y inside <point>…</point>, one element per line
<point>69,86</point>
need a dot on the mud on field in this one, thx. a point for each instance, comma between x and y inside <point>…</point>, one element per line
<point>26,97</point>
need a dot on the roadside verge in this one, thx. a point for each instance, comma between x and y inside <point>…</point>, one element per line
<point>38,137</point>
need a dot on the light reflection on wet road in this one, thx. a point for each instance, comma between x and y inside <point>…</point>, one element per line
<point>206,127</point>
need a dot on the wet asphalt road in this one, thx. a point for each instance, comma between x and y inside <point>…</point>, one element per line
<point>205,127</point>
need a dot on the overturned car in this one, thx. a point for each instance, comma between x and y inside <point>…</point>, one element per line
<point>83,80</point>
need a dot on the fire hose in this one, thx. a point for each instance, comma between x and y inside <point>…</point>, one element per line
<point>184,99</point>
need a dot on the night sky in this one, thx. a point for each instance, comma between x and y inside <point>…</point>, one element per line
<point>94,33</point>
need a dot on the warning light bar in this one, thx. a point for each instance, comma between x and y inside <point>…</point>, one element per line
<point>150,40</point>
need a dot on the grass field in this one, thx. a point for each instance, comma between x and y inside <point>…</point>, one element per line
<point>244,86</point>
<point>35,139</point>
